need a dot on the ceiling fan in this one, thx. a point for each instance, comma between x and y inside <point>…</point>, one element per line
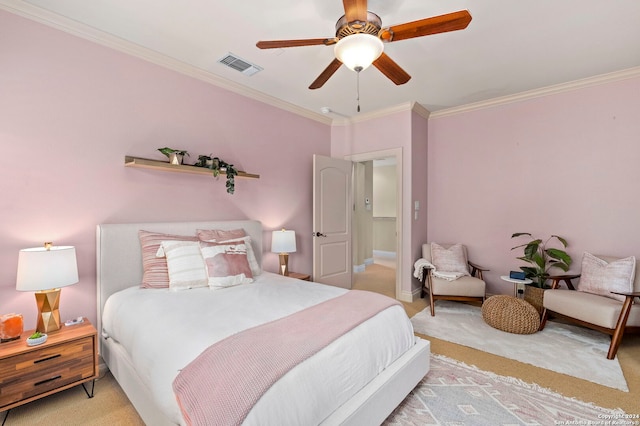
<point>360,36</point>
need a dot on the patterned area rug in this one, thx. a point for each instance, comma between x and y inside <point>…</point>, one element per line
<point>563,348</point>
<point>453,393</point>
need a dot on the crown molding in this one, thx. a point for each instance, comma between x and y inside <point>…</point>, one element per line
<point>86,32</point>
<point>544,91</point>
<point>403,107</point>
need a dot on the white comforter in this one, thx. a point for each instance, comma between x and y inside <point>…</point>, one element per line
<point>163,331</point>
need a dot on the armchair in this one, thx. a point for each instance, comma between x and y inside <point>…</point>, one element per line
<point>441,263</point>
<point>602,301</point>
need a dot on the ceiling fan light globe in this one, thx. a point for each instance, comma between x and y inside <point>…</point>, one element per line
<point>358,50</point>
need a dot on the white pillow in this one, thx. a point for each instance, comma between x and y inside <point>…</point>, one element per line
<point>185,264</point>
<point>601,277</point>
<point>452,259</point>
<point>226,264</point>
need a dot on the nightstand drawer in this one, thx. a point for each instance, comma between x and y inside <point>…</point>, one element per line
<point>41,370</point>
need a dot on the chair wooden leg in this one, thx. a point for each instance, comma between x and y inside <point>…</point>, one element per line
<point>616,339</point>
<point>432,304</point>
<point>543,320</point>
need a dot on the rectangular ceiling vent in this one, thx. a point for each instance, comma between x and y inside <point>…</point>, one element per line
<point>245,67</point>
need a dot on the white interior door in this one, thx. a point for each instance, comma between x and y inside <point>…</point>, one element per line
<point>332,221</point>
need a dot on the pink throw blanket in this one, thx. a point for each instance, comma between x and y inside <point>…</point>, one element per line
<point>224,382</point>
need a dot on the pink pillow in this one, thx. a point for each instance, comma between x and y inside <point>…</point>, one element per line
<point>601,277</point>
<point>226,263</point>
<point>220,234</point>
<point>156,273</point>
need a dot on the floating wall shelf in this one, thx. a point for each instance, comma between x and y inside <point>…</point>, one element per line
<point>143,163</point>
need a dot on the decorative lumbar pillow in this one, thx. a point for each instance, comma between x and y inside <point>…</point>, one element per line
<point>218,235</point>
<point>185,264</point>
<point>156,274</point>
<point>234,235</point>
<point>226,263</point>
<point>601,277</point>
<point>450,259</point>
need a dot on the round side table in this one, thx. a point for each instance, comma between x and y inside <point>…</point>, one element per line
<point>516,285</point>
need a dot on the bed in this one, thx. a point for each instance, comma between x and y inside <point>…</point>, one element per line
<point>337,385</point>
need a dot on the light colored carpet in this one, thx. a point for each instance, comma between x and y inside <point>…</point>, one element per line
<point>454,393</point>
<point>563,348</point>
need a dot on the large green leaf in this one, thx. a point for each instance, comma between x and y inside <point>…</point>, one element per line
<point>532,248</point>
<point>559,238</point>
<point>517,234</point>
<point>560,265</point>
<point>560,255</point>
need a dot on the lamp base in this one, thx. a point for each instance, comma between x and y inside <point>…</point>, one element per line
<point>48,302</point>
<point>284,264</point>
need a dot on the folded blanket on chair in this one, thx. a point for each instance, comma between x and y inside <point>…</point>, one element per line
<point>419,267</point>
<point>223,383</point>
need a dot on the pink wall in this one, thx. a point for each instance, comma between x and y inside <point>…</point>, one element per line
<point>563,164</point>
<point>71,110</point>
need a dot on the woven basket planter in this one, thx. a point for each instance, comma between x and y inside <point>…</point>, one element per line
<point>510,314</point>
<point>534,296</point>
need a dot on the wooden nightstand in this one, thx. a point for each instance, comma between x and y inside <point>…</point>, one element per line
<point>68,358</point>
<point>298,275</point>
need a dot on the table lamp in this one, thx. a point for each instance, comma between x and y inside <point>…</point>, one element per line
<point>44,270</point>
<point>283,242</point>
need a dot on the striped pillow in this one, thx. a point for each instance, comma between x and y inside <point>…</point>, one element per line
<point>185,264</point>
<point>156,274</point>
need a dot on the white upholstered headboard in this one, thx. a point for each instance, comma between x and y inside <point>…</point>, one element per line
<point>119,257</point>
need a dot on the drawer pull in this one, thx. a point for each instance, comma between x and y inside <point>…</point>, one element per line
<point>47,359</point>
<point>42,382</point>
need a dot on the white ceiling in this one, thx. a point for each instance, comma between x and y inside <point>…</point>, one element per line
<point>508,48</point>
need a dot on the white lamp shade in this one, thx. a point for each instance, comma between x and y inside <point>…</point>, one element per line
<point>283,241</point>
<point>358,50</point>
<point>42,269</point>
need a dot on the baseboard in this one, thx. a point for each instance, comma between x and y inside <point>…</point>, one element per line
<point>358,268</point>
<point>381,253</point>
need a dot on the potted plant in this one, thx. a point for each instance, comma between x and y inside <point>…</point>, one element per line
<point>176,156</point>
<point>542,259</point>
<point>36,338</point>
<point>218,166</point>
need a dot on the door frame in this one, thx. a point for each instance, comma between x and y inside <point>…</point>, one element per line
<point>375,155</point>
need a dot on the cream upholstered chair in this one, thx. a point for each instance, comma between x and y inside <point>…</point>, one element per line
<point>439,263</point>
<point>602,299</point>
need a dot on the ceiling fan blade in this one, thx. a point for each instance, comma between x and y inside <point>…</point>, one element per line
<point>326,74</point>
<point>355,10</point>
<point>274,44</point>
<point>434,25</point>
<point>388,67</point>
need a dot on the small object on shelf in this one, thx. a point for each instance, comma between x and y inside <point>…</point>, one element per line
<point>36,339</point>
<point>11,327</point>
<point>175,156</point>
<point>74,321</point>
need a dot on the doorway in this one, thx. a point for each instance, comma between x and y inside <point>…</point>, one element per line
<point>377,237</point>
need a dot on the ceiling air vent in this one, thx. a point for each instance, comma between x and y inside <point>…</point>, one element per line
<point>232,61</point>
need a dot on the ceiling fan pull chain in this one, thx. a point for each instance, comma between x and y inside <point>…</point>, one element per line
<point>358,69</point>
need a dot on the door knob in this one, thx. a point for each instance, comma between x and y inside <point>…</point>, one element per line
<point>319,234</point>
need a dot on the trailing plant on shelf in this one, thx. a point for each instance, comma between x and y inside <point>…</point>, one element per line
<point>219,166</point>
<point>542,258</point>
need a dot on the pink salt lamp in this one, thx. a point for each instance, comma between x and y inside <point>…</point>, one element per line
<point>11,327</point>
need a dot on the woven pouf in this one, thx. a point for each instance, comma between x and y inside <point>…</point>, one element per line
<point>510,314</point>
